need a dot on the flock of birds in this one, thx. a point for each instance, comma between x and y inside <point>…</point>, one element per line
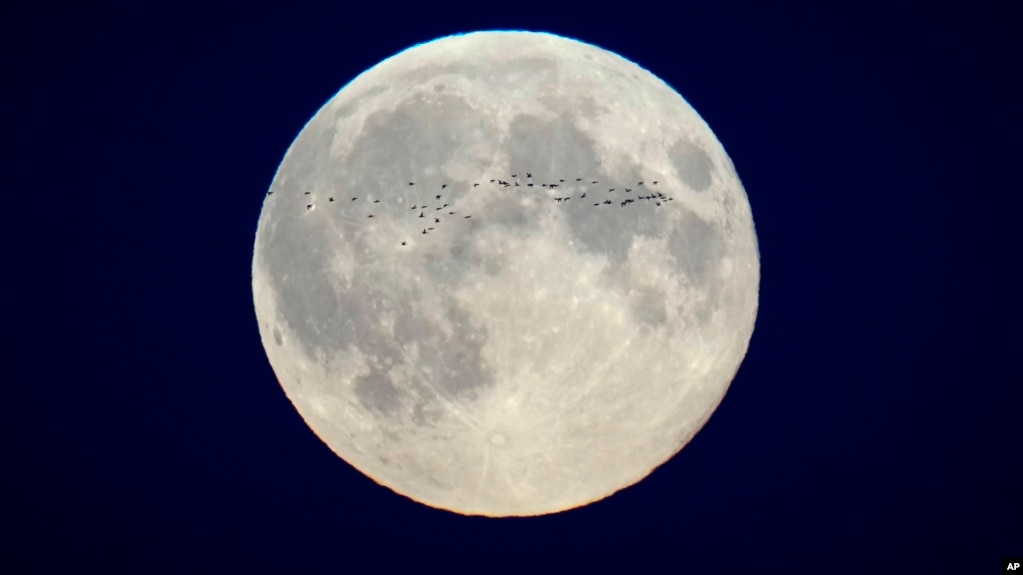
<point>656,197</point>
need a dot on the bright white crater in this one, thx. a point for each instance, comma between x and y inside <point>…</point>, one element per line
<point>540,354</point>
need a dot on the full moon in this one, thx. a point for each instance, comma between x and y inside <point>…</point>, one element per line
<point>506,273</point>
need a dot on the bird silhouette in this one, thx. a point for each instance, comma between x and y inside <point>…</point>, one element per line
<point>269,193</point>
<point>376,201</point>
<point>436,221</point>
<point>561,180</point>
<point>424,230</point>
<point>353,199</point>
<point>515,175</point>
<point>528,175</point>
<point>403,243</point>
<point>655,182</point>
<point>307,193</point>
<point>583,196</point>
<point>451,213</point>
<point>475,185</point>
<point>641,183</point>
<point>442,186</point>
<point>467,217</point>
<point>437,198</point>
<point>331,198</point>
<point>308,206</point>
<point>578,179</point>
<point>420,214</point>
<point>594,182</point>
<point>411,183</point>
<point>529,185</point>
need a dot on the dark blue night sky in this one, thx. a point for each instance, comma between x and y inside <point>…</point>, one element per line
<point>875,425</point>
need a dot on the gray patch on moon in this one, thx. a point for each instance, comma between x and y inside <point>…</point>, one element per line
<point>551,148</point>
<point>424,130</point>
<point>277,337</point>
<point>697,248</point>
<point>648,306</point>
<point>692,165</point>
<point>375,392</point>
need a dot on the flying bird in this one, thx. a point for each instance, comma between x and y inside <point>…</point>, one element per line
<point>424,230</point>
<point>578,179</point>
<point>583,196</point>
<point>475,185</point>
<point>528,175</point>
<point>353,199</point>
<point>403,243</point>
<point>308,206</point>
<point>436,221</point>
<point>437,198</point>
<point>467,217</point>
<point>331,198</point>
<point>655,182</point>
<point>307,193</point>
<point>411,183</point>
<point>420,214</point>
<point>371,215</point>
<point>442,186</point>
<point>376,201</point>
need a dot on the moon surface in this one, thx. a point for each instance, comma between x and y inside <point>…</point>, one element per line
<point>502,350</point>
